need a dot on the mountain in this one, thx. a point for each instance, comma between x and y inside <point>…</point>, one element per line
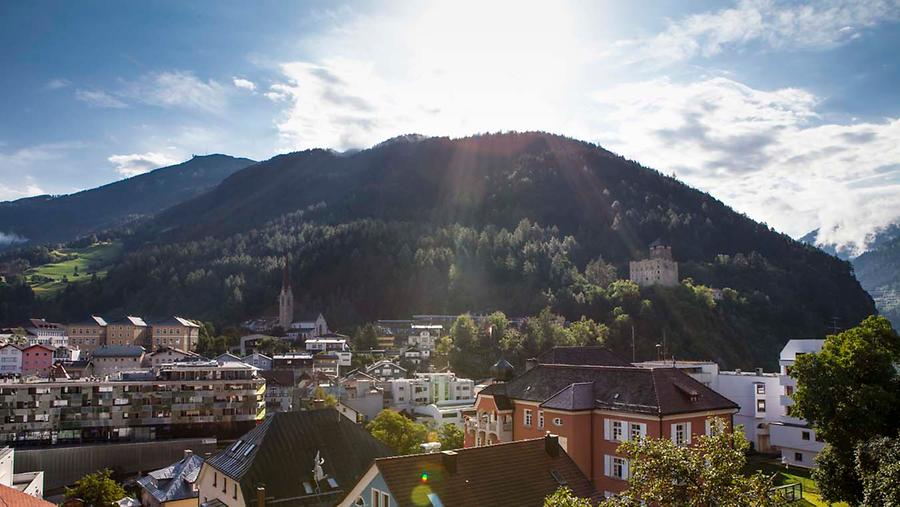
<point>48,218</point>
<point>513,222</point>
<point>846,252</point>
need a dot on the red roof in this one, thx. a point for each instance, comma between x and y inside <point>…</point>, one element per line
<point>10,497</point>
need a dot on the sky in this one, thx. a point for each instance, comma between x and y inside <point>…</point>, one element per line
<point>788,112</point>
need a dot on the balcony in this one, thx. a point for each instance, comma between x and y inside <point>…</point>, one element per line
<point>502,430</point>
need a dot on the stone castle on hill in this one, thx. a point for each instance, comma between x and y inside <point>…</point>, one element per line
<point>658,269</point>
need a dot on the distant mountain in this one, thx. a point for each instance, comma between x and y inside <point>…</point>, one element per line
<point>514,222</point>
<point>61,218</point>
<point>879,238</point>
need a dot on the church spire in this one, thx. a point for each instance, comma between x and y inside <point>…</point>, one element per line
<point>286,298</point>
<point>286,276</point>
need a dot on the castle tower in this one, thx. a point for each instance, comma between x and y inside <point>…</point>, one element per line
<point>659,269</point>
<point>286,299</point>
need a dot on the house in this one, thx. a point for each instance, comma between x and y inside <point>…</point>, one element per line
<point>298,362</point>
<point>360,392</point>
<point>332,343</point>
<point>37,360</point>
<point>174,485</point>
<point>415,355</point>
<point>41,332</point>
<point>520,473</point>
<point>87,334</point>
<point>424,336</point>
<point>66,354</point>
<point>10,360</point>
<point>595,408</point>
<point>311,325</point>
<point>15,498</point>
<point>658,269</point>
<point>29,483</point>
<point>279,390</point>
<point>110,359</point>
<point>386,370</point>
<point>797,440</point>
<point>128,330</point>
<point>261,361</point>
<point>250,342</point>
<point>175,332</point>
<point>165,355</point>
<point>274,462</point>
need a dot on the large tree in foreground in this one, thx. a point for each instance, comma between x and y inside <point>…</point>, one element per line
<point>849,392</point>
<point>710,472</point>
<point>401,434</point>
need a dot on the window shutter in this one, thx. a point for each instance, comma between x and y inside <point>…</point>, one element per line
<point>687,431</point>
<point>674,433</point>
<point>606,465</point>
<point>607,430</point>
<point>626,473</point>
<point>643,431</point>
<point>708,427</point>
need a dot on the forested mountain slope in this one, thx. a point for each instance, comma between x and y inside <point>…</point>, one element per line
<point>514,222</point>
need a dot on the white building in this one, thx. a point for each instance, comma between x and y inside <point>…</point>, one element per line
<point>436,415</point>
<point>658,269</point>
<point>428,388</point>
<point>10,360</point>
<point>41,332</point>
<point>424,336</point>
<point>30,483</point>
<point>261,361</point>
<point>337,346</point>
<point>385,370</point>
<point>797,440</point>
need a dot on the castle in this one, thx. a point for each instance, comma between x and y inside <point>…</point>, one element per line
<point>659,269</point>
<point>286,300</point>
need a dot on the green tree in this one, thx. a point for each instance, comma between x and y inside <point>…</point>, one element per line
<point>587,332</point>
<point>710,472</point>
<point>401,434</point>
<point>328,399</point>
<point>563,497</point>
<point>878,466</point>
<point>850,392</point>
<point>97,489</point>
<point>366,337</point>
<point>441,356</point>
<point>600,273</point>
<point>451,437</point>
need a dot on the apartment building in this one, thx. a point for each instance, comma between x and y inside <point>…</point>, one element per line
<point>335,344</point>
<point>175,332</point>
<point>41,332</point>
<point>128,330</point>
<point>386,370</point>
<point>167,355</point>
<point>197,398</point>
<point>10,360</point>
<point>595,408</point>
<point>112,359</point>
<point>796,439</point>
<point>37,360</point>
<point>87,334</point>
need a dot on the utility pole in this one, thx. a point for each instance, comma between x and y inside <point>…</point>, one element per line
<point>633,358</point>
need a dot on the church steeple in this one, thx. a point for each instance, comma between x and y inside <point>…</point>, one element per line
<point>286,298</point>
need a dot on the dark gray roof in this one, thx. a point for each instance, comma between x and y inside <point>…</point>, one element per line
<point>279,454</point>
<point>657,391</point>
<point>118,351</point>
<point>175,481</point>
<point>596,356</point>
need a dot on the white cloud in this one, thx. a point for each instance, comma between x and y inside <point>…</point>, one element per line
<point>139,163</point>
<point>767,153</point>
<point>244,84</point>
<point>179,89</point>
<point>57,83</point>
<point>11,238</point>
<point>19,167</point>
<point>99,98</point>
<point>816,25</point>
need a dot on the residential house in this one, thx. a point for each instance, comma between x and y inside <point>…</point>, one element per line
<point>37,360</point>
<point>520,473</point>
<point>309,458</point>
<point>416,356</point>
<point>128,330</point>
<point>280,390</point>
<point>10,360</point>
<point>165,355</point>
<point>425,337</point>
<point>110,359</point>
<point>41,332</point>
<point>797,440</point>
<point>87,334</point>
<point>298,362</point>
<point>257,360</point>
<point>175,332</point>
<point>595,408</point>
<point>66,354</point>
<point>15,498</point>
<point>361,392</point>
<point>386,370</point>
<point>174,485</point>
<point>29,483</point>
<point>332,343</point>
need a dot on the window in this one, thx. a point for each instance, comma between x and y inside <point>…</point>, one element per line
<point>616,467</point>
<point>380,498</point>
<point>805,435</point>
<point>760,389</point>
<point>540,418</point>
<point>681,433</point>
<point>789,390</point>
<point>234,491</point>
<point>528,418</point>
<point>760,405</point>
<point>798,457</point>
<point>557,421</point>
<point>618,430</point>
<point>224,485</point>
<point>636,431</point>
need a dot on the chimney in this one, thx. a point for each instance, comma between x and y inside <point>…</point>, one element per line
<point>530,363</point>
<point>449,460</point>
<point>261,496</point>
<point>188,453</point>
<point>759,372</point>
<point>551,445</point>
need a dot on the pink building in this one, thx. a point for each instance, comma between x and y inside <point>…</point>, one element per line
<point>37,360</point>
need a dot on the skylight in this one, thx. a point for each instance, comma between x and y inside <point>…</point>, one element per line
<point>236,445</point>
<point>249,449</point>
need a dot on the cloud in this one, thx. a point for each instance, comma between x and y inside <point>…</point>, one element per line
<point>244,84</point>
<point>56,84</point>
<point>11,238</point>
<point>20,167</point>
<point>179,89</point>
<point>817,25</point>
<point>99,98</point>
<point>139,163</point>
<point>768,153</point>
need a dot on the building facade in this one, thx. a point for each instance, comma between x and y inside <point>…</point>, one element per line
<point>127,331</point>
<point>796,439</point>
<point>37,360</point>
<point>286,299</point>
<point>88,334</point>
<point>112,359</point>
<point>10,360</point>
<point>659,269</point>
<point>176,333</point>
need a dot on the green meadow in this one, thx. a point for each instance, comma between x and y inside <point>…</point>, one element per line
<point>81,264</point>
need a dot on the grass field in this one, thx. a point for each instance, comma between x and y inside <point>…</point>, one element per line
<point>788,476</point>
<point>95,259</point>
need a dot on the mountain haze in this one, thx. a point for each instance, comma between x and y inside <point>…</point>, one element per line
<point>515,222</point>
<point>48,218</point>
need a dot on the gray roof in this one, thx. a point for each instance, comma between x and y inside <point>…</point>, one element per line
<point>93,320</point>
<point>279,454</point>
<point>129,320</point>
<point>175,481</point>
<point>118,351</point>
<point>176,321</point>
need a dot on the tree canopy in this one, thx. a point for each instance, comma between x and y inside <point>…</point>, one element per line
<point>400,433</point>
<point>97,489</point>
